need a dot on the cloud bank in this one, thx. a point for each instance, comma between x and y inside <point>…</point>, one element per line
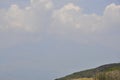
<point>29,24</point>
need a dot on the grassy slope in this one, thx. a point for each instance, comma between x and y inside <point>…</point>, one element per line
<point>84,79</point>
<point>91,72</point>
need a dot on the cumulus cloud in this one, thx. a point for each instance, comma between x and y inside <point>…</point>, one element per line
<point>69,22</point>
<point>29,19</point>
<point>46,4</point>
<point>20,25</point>
<point>71,16</point>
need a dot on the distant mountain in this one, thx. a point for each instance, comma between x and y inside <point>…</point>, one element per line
<point>92,72</point>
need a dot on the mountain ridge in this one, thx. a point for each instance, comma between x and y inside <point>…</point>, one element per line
<point>89,73</point>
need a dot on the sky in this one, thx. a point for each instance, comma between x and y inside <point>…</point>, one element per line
<point>48,39</point>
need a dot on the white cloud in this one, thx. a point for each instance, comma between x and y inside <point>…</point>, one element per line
<point>22,25</point>
<point>15,19</point>
<point>31,18</point>
<point>45,4</point>
<point>71,22</point>
<point>72,16</point>
<point>68,22</point>
<point>88,28</point>
<point>111,15</point>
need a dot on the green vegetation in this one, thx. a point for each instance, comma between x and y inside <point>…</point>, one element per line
<point>99,73</point>
<point>84,79</point>
<point>112,75</point>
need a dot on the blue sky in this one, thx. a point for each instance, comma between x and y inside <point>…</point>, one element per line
<point>47,39</point>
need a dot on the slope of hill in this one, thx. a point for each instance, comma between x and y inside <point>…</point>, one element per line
<point>92,72</point>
